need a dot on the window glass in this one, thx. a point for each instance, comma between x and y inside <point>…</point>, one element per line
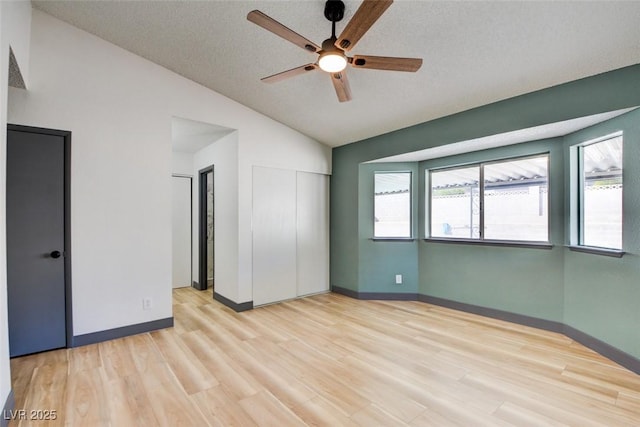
<point>455,203</point>
<point>601,194</point>
<point>515,200</point>
<point>511,204</point>
<point>392,204</point>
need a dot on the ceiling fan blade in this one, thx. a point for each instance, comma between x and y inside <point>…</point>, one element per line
<point>386,63</point>
<point>278,29</point>
<point>366,15</point>
<point>341,84</point>
<point>289,73</point>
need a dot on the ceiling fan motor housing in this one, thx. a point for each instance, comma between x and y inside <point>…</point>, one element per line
<point>334,10</point>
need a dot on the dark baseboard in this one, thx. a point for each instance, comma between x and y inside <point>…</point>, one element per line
<point>601,347</point>
<point>9,406</point>
<point>243,306</point>
<point>521,319</point>
<point>388,296</point>
<point>624,359</point>
<point>345,291</point>
<point>125,331</point>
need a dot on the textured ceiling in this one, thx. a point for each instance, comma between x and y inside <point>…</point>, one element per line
<point>474,53</point>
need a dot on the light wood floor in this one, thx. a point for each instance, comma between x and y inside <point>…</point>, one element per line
<point>329,360</point>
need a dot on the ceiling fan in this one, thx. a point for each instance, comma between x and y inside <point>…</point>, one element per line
<point>332,57</point>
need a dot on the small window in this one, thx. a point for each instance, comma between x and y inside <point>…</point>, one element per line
<point>600,195</point>
<point>392,205</point>
<point>499,201</point>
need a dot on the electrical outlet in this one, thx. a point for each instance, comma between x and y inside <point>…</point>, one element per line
<point>147,303</point>
<point>398,279</point>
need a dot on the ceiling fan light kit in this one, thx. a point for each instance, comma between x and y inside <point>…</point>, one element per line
<point>332,58</point>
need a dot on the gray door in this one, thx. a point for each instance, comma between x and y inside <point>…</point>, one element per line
<point>35,241</point>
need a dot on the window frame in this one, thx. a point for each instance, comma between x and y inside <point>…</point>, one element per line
<point>481,240</point>
<point>410,237</point>
<point>577,218</point>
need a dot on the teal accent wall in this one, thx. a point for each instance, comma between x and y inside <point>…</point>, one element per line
<point>591,293</point>
<point>526,281</point>
<point>602,294</point>
<point>380,261</point>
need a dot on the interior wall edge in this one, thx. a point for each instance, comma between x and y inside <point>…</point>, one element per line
<point>9,405</point>
<point>237,307</point>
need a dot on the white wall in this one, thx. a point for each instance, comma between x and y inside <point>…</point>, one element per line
<point>119,108</point>
<point>223,155</point>
<point>15,25</point>
<point>182,163</point>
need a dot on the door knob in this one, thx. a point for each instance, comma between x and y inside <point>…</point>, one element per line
<point>55,254</point>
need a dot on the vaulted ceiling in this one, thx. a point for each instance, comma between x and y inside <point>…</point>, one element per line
<point>474,53</point>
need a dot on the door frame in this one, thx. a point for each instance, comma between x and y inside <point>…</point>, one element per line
<point>66,135</point>
<point>202,226</point>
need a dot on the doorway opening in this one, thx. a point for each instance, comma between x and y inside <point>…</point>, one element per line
<point>206,229</point>
<point>181,231</point>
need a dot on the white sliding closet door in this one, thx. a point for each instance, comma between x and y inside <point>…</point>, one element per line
<point>274,235</point>
<point>312,233</point>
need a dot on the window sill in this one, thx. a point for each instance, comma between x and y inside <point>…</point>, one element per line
<point>503,243</point>
<point>615,253</point>
<point>393,239</point>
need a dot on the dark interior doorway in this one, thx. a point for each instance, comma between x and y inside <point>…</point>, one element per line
<point>38,243</point>
<point>206,232</point>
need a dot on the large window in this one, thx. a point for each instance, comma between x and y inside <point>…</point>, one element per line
<point>600,195</point>
<point>392,205</point>
<point>499,201</point>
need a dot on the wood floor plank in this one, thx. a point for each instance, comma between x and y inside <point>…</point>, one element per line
<point>116,359</point>
<point>222,408</point>
<point>143,350</point>
<point>519,416</point>
<point>84,358</point>
<point>193,376</point>
<point>48,383</point>
<point>328,360</point>
<point>336,384</point>
<point>373,415</point>
<point>237,381</point>
<point>169,402</point>
<point>268,411</point>
<point>352,381</point>
<point>629,401</point>
<point>128,402</point>
<point>320,412</point>
<point>86,402</point>
<point>278,379</point>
